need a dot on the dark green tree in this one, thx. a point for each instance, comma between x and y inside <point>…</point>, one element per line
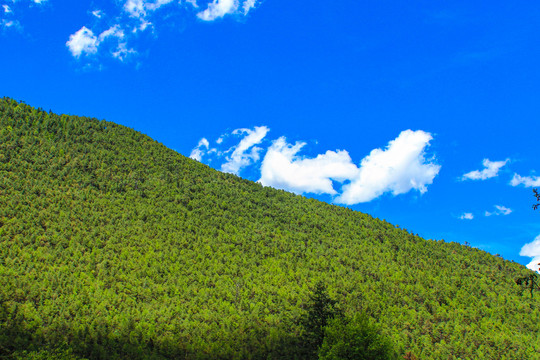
<point>354,338</point>
<point>529,282</point>
<point>537,196</point>
<point>320,310</point>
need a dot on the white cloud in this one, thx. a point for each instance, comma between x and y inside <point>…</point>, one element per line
<point>10,24</point>
<point>248,5</point>
<point>97,13</point>
<point>399,168</point>
<point>83,41</point>
<point>7,9</point>
<point>491,169</point>
<point>122,52</point>
<point>218,9</point>
<point>134,17</point>
<point>141,8</point>
<point>500,210</point>
<point>198,152</point>
<point>113,31</point>
<point>283,168</point>
<point>245,153</point>
<point>466,216</point>
<point>135,8</point>
<point>527,181</point>
<point>532,249</point>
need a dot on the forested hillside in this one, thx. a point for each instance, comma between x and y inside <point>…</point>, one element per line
<point>114,246</point>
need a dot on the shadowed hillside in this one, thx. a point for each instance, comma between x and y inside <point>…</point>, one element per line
<point>114,246</point>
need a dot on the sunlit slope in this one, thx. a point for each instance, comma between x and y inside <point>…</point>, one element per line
<point>114,245</point>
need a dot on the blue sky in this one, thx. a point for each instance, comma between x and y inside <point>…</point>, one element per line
<point>423,113</point>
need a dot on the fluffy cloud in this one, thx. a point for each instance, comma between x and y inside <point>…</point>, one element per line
<point>398,169</point>
<point>198,152</point>
<point>491,169</point>
<point>218,9</point>
<point>466,216</point>
<point>283,168</point>
<point>83,41</point>
<point>499,210</point>
<point>245,153</point>
<point>532,249</point>
<point>527,181</point>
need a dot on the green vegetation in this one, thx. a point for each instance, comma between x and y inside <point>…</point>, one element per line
<point>356,339</point>
<point>113,246</point>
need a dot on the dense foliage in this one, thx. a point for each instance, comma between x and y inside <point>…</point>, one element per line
<point>113,246</point>
<point>354,338</point>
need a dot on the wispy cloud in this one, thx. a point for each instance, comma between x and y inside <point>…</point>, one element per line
<point>499,210</point>
<point>527,181</point>
<point>245,153</point>
<point>532,249</point>
<point>9,13</point>
<point>491,170</point>
<point>398,169</point>
<point>200,150</point>
<point>466,216</point>
<point>98,13</point>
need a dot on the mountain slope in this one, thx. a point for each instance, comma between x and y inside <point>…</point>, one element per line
<point>116,246</point>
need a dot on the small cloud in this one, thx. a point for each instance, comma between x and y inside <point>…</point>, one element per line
<point>97,13</point>
<point>11,11</point>
<point>527,181</point>
<point>491,169</point>
<point>122,52</point>
<point>248,5</point>
<point>245,153</point>
<point>113,31</point>
<point>11,24</point>
<point>398,169</point>
<point>282,168</point>
<point>83,41</point>
<point>532,249</point>
<point>500,210</point>
<point>198,152</point>
<point>466,216</point>
<point>218,9</point>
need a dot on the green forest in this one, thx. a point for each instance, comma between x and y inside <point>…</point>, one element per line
<point>113,246</point>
